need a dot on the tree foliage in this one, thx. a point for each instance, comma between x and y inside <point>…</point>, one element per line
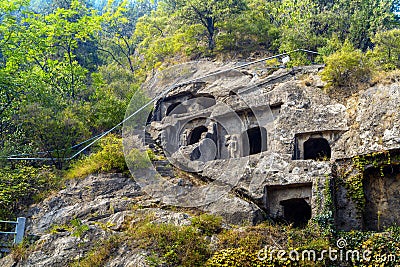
<point>47,92</point>
<point>22,187</point>
<point>206,13</point>
<point>347,67</point>
<point>386,52</point>
<point>69,68</point>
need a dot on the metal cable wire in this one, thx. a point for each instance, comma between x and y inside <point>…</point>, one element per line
<point>48,152</point>
<point>165,92</point>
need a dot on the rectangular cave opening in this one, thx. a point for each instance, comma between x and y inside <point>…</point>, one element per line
<point>314,145</point>
<point>254,141</point>
<point>382,194</point>
<point>290,204</point>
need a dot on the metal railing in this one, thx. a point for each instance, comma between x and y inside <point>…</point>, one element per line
<point>18,232</point>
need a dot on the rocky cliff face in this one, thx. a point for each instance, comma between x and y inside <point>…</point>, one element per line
<point>74,221</point>
<point>278,139</point>
<point>272,145</point>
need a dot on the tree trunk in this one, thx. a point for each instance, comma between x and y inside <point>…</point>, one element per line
<point>211,32</point>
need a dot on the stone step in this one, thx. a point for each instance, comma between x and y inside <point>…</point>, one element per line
<point>148,140</point>
<point>161,163</point>
<point>167,174</point>
<point>164,168</point>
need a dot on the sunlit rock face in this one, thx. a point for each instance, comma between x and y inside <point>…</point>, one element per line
<point>290,133</point>
<point>278,145</point>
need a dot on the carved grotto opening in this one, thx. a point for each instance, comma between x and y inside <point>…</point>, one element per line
<point>317,148</point>
<point>289,203</point>
<point>296,211</point>
<point>314,145</point>
<point>195,135</point>
<point>382,197</point>
<point>254,141</point>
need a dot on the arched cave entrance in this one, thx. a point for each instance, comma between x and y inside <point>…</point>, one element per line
<point>173,106</point>
<point>254,141</point>
<point>317,148</point>
<point>195,135</point>
<point>296,211</point>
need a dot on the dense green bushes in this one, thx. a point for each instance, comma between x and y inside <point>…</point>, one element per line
<point>172,245</point>
<point>251,246</point>
<point>208,224</point>
<point>350,67</point>
<point>384,246</point>
<point>347,67</point>
<point>24,186</point>
<point>386,52</point>
<point>109,156</point>
<point>234,257</point>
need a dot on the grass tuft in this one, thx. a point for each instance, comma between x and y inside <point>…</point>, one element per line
<point>109,157</point>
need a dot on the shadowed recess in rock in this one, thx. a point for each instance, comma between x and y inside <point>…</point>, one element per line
<point>382,195</point>
<point>296,211</point>
<point>195,135</point>
<point>317,148</point>
<point>254,141</point>
<point>172,107</point>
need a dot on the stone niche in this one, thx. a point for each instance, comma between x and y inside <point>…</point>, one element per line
<point>230,135</point>
<point>290,203</point>
<point>181,103</point>
<point>201,136</point>
<point>382,195</point>
<point>381,188</point>
<point>314,145</point>
<point>253,141</point>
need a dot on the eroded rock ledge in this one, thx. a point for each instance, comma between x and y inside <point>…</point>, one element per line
<point>305,155</point>
<point>281,139</point>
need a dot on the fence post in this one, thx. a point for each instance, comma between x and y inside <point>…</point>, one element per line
<point>20,230</point>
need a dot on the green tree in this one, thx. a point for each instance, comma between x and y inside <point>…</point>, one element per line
<point>116,39</point>
<point>13,85</point>
<point>206,13</point>
<point>160,39</point>
<point>114,86</point>
<point>22,187</point>
<point>44,88</point>
<point>50,42</point>
<point>386,52</point>
<point>53,132</point>
<point>367,17</point>
<point>297,30</point>
<point>311,24</point>
<point>347,67</point>
<point>249,30</point>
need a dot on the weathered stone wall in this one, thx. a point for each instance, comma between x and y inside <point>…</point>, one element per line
<point>374,122</point>
<point>382,195</point>
<point>290,113</point>
<point>367,191</point>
